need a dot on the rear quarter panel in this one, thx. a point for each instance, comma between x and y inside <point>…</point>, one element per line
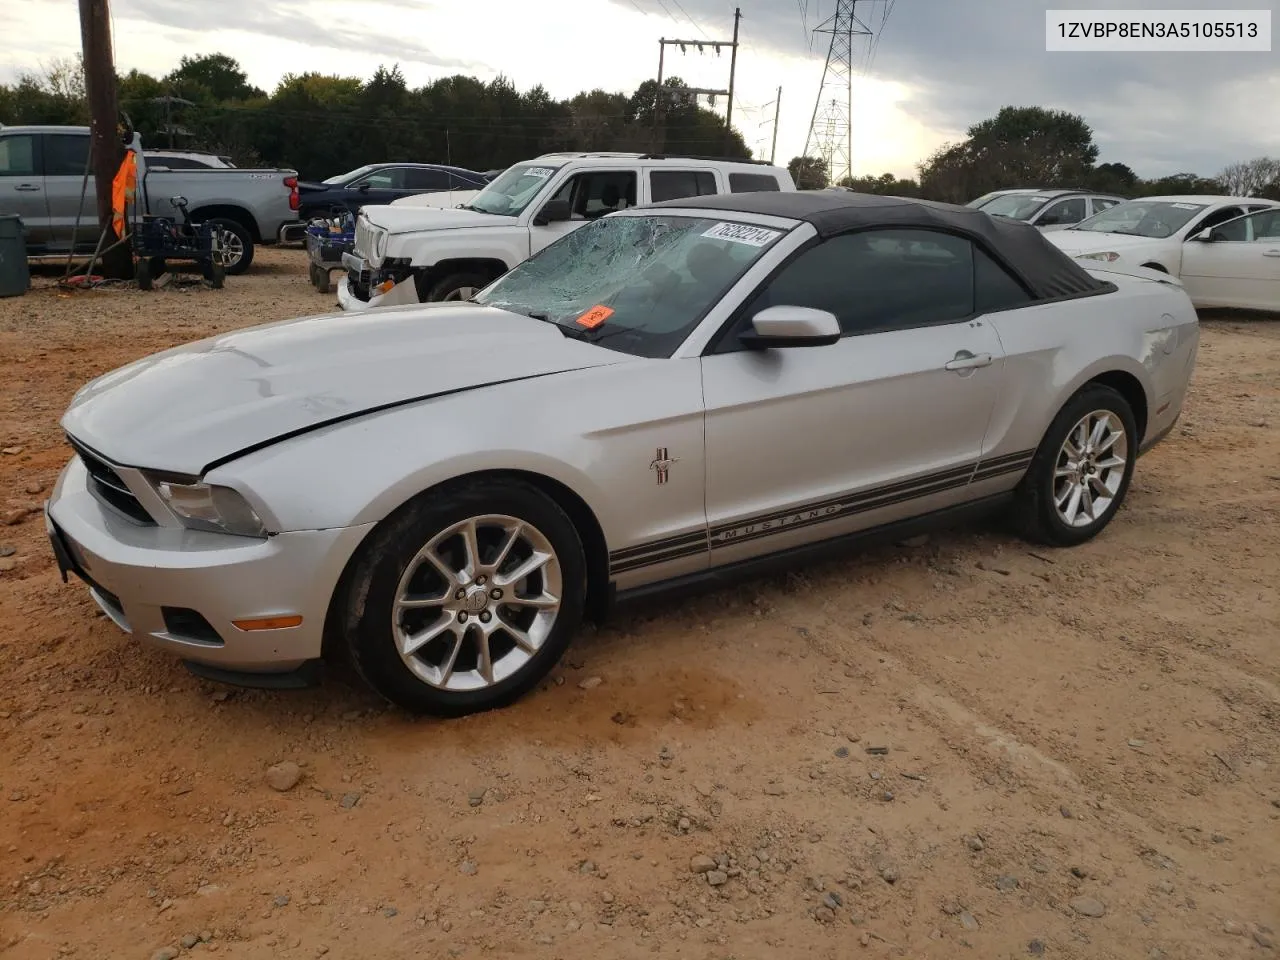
<point>1145,329</point>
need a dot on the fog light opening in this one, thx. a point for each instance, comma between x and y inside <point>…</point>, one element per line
<point>268,623</point>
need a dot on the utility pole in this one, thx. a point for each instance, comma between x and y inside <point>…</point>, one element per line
<point>657,98</point>
<point>733,66</point>
<point>663,92</point>
<point>105,142</point>
<point>777,109</point>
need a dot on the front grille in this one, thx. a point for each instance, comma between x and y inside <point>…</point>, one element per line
<point>106,485</point>
<point>365,234</point>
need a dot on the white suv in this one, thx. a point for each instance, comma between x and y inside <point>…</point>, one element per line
<point>412,254</point>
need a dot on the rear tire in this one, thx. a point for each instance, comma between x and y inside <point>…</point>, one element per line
<point>456,634</point>
<point>458,286</point>
<point>1065,499</point>
<point>237,245</point>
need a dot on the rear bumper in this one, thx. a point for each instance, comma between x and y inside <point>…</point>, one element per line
<point>294,232</point>
<point>182,590</point>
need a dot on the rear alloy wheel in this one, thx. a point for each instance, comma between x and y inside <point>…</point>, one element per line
<point>236,243</point>
<point>457,286</point>
<point>1081,473</point>
<point>472,598</point>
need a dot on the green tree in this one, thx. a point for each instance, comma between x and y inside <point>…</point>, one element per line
<point>215,76</point>
<point>809,173</point>
<point>886,184</point>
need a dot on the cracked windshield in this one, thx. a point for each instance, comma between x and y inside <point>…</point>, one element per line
<point>639,282</point>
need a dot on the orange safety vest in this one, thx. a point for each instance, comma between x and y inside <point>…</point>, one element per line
<point>124,189</point>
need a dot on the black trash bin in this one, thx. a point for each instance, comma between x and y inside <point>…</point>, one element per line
<point>15,278</point>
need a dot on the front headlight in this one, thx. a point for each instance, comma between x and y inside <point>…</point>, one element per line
<point>379,244</point>
<point>1107,257</point>
<point>206,506</point>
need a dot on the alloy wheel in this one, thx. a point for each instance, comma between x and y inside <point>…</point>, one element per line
<point>477,603</point>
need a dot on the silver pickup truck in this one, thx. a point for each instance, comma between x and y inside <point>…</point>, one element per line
<point>42,175</point>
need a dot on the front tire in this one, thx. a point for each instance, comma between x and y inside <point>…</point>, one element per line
<point>465,599</point>
<point>457,286</point>
<point>1081,471</point>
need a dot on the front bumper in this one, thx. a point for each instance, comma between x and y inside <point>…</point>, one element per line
<point>403,293</point>
<point>180,590</point>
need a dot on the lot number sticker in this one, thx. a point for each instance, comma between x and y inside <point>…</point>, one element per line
<point>1185,206</point>
<point>540,173</point>
<point>741,233</point>
<point>595,316</point>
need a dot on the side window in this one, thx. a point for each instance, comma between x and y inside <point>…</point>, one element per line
<point>1099,204</point>
<point>65,155</point>
<point>878,280</point>
<point>1233,231</point>
<point>993,287</point>
<point>1217,217</point>
<point>676,184</point>
<point>18,156</point>
<point>598,192</point>
<point>1266,226</point>
<point>422,179</point>
<point>386,179</point>
<point>1064,211</point>
<point>457,182</point>
<point>752,183</point>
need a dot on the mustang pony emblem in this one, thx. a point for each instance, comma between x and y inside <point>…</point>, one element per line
<point>662,464</point>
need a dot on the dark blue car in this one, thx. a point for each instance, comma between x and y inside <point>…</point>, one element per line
<point>380,183</point>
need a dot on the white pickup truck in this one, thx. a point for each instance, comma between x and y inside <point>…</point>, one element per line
<point>412,254</point>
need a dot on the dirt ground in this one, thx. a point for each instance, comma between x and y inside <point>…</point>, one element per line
<point>961,748</point>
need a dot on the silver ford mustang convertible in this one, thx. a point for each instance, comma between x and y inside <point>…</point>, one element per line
<point>670,394</point>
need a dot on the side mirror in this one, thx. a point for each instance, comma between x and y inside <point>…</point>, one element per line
<point>1049,220</point>
<point>788,326</point>
<point>553,211</point>
<point>1204,236</point>
<point>364,187</point>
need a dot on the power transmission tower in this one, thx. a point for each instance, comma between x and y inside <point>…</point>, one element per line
<point>664,92</point>
<point>831,131</point>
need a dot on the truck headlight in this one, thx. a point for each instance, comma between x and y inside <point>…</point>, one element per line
<point>379,245</point>
<point>1108,256</point>
<point>207,506</point>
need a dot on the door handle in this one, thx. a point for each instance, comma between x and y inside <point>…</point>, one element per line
<point>27,187</point>
<point>1272,253</point>
<point>964,360</point>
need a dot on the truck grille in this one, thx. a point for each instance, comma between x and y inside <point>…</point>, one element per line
<point>106,485</point>
<point>365,234</point>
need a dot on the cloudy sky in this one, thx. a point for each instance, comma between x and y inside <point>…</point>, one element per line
<point>939,65</point>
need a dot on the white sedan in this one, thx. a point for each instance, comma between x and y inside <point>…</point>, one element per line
<point>1181,236</point>
<point>1235,264</point>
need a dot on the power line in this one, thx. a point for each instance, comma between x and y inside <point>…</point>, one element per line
<point>697,26</point>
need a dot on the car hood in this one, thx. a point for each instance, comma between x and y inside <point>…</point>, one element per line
<point>1091,241</point>
<point>188,408</point>
<point>399,218</point>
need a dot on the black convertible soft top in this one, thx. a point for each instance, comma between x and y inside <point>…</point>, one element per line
<point>1045,270</point>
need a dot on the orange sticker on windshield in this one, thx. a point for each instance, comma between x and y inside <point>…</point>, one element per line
<point>595,316</point>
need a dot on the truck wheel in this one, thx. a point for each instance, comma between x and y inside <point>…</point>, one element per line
<point>458,286</point>
<point>237,245</point>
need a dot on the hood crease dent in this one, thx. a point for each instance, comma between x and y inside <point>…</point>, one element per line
<point>203,404</point>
